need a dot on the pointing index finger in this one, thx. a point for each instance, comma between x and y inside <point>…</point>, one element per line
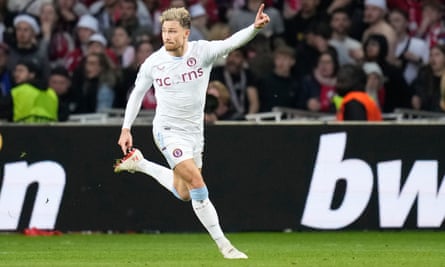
<point>261,9</point>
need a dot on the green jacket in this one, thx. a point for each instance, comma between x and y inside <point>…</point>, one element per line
<point>31,104</point>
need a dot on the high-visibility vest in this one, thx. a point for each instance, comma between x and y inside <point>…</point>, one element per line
<point>373,112</point>
<point>31,104</point>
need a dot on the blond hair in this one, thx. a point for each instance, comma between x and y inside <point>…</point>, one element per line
<point>224,94</point>
<point>179,14</point>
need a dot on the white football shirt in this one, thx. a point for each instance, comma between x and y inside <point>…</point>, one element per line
<point>181,82</point>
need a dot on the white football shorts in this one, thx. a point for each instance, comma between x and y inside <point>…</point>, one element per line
<point>177,146</point>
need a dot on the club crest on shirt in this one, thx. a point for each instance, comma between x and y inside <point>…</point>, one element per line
<point>191,62</point>
<point>177,152</point>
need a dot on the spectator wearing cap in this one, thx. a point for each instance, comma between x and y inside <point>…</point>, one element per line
<point>86,27</point>
<point>374,82</point>
<point>198,28</point>
<point>374,16</point>
<point>29,103</point>
<point>98,44</point>
<point>60,81</point>
<point>28,45</point>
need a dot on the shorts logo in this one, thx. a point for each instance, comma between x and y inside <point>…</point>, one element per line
<point>177,153</point>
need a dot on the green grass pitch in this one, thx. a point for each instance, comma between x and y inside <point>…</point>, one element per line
<point>343,248</point>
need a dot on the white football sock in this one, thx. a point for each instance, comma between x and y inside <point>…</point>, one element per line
<point>160,173</point>
<point>206,213</point>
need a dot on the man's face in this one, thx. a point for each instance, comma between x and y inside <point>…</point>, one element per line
<point>235,61</point>
<point>398,22</point>
<point>24,33</point>
<point>128,10</point>
<point>174,35</point>
<point>22,74</point>
<point>59,83</point>
<point>372,14</point>
<point>340,23</point>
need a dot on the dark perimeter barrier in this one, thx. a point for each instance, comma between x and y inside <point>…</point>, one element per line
<point>260,177</point>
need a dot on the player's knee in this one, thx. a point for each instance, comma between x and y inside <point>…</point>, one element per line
<point>199,194</point>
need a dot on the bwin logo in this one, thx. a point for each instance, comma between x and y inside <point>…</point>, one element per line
<point>395,199</point>
<point>50,177</point>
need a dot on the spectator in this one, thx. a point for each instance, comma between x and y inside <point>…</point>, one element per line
<point>349,50</point>
<point>375,12</point>
<point>222,96</point>
<point>374,83</point>
<point>60,81</point>
<point>68,13</point>
<point>356,104</point>
<point>86,27</point>
<point>98,44</point>
<point>411,52</point>
<point>59,40</point>
<point>6,79</point>
<point>109,12</point>
<point>143,50</point>
<point>397,93</point>
<point>28,102</point>
<point>429,86</point>
<point>280,87</point>
<point>130,20</point>
<point>27,45</point>
<point>432,26</point>
<point>259,55</point>
<point>94,84</point>
<point>316,42</point>
<point>121,46</point>
<point>411,7</point>
<point>198,28</point>
<point>297,23</point>
<point>241,84</point>
<point>154,9</point>
<point>319,86</point>
<point>212,9</point>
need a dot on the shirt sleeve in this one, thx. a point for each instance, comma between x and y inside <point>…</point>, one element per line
<point>142,84</point>
<point>223,47</point>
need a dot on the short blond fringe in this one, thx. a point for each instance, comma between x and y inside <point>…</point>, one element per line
<point>179,14</point>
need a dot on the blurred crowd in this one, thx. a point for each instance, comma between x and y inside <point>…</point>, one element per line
<point>63,57</point>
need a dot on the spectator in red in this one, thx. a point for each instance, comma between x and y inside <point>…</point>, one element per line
<point>413,9</point>
<point>432,27</point>
<point>86,27</point>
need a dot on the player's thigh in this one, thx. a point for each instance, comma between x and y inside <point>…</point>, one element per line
<point>188,172</point>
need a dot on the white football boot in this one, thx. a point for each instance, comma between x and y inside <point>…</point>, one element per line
<point>230,252</point>
<point>129,162</point>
